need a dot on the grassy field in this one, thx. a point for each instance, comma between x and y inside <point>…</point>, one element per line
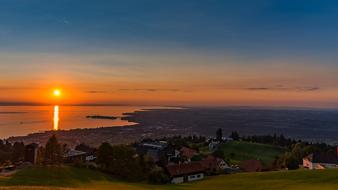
<point>237,151</point>
<point>65,178</point>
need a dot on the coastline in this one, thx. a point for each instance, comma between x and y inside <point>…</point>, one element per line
<point>156,123</point>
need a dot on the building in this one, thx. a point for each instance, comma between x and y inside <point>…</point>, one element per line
<point>156,150</point>
<point>74,155</point>
<point>31,153</point>
<point>180,173</point>
<point>317,161</point>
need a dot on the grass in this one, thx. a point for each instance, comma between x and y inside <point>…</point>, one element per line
<point>61,176</point>
<point>65,178</point>
<point>238,151</point>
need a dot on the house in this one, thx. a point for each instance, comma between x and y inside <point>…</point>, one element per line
<point>317,161</point>
<point>188,153</point>
<point>31,153</point>
<point>212,164</point>
<point>156,150</point>
<point>74,155</point>
<point>180,173</point>
<point>251,166</point>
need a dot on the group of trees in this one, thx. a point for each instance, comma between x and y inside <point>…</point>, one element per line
<point>123,162</point>
<point>278,140</point>
<point>11,152</point>
<point>14,152</point>
<point>180,141</point>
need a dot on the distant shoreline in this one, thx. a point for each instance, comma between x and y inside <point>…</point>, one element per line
<point>156,123</point>
<point>101,117</point>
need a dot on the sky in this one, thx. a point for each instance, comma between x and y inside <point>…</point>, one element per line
<point>178,52</point>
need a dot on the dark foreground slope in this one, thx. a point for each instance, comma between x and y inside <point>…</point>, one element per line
<point>75,178</point>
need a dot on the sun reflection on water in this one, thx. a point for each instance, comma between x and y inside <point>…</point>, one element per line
<point>56,118</point>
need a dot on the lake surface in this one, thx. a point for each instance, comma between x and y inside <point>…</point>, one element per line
<point>22,120</point>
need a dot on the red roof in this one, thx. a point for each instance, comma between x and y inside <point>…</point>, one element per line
<point>184,169</point>
<point>188,152</point>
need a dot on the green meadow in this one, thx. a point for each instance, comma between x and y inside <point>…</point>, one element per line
<point>237,151</point>
<point>46,178</point>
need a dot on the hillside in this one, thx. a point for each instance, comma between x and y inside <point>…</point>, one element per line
<point>76,178</point>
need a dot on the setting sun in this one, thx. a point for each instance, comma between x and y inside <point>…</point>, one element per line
<point>57,92</point>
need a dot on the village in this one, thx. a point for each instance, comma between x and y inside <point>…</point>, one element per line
<point>178,159</point>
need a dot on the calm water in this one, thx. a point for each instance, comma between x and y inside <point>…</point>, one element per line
<point>22,120</point>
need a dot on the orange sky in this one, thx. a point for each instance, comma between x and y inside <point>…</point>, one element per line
<point>266,53</point>
<point>166,79</point>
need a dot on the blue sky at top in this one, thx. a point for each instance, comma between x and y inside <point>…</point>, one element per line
<point>262,27</point>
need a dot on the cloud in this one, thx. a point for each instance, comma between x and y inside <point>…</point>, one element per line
<point>96,91</point>
<point>17,88</point>
<point>258,88</point>
<point>136,90</point>
<point>284,88</point>
<point>153,90</point>
<point>308,88</point>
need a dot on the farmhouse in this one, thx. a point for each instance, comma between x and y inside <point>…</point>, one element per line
<point>318,161</point>
<point>180,173</point>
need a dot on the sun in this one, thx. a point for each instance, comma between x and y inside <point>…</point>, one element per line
<point>57,92</point>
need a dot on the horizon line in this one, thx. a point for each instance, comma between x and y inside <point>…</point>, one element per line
<point>3,104</point>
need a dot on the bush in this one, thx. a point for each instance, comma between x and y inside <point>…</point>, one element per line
<point>158,176</point>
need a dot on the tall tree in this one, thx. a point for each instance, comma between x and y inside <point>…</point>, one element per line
<point>53,153</point>
<point>219,134</point>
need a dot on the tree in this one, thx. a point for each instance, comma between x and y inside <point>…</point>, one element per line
<point>103,155</point>
<point>18,151</point>
<point>219,134</point>
<point>53,153</point>
<point>122,161</point>
<point>234,135</point>
<point>158,176</point>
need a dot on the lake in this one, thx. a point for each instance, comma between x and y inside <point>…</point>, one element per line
<point>22,120</point>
